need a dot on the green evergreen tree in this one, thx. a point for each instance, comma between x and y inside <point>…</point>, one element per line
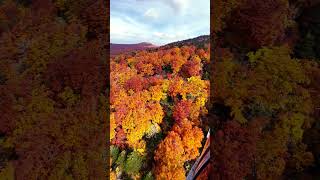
<point>133,163</point>
<point>114,152</point>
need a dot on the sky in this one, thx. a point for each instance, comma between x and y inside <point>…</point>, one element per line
<point>158,21</point>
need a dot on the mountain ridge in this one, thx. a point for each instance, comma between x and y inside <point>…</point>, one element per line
<point>116,48</point>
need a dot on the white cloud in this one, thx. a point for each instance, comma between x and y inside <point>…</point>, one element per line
<point>127,30</point>
<point>169,36</point>
<point>177,5</point>
<point>151,13</point>
<point>158,21</point>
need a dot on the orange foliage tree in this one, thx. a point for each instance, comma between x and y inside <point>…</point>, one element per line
<point>149,86</point>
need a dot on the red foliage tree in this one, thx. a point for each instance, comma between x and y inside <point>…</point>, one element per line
<point>260,22</point>
<point>233,150</point>
<point>81,70</point>
<point>136,83</point>
<point>181,111</point>
<point>192,67</point>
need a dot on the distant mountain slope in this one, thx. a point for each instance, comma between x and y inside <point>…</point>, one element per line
<point>197,41</point>
<point>116,49</point>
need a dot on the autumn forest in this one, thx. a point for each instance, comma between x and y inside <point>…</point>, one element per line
<point>246,98</point>
<point>265,83</point>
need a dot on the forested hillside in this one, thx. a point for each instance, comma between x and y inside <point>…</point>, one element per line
<point>265,82</point>
<point>199,42</point>
<point>116,49</point>
<point>52,89</point>
<point>157,100</point>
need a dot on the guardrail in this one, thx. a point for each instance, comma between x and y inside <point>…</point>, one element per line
<point>201,162</point>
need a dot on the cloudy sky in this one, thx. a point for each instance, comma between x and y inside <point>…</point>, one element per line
<point>158,21</point>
